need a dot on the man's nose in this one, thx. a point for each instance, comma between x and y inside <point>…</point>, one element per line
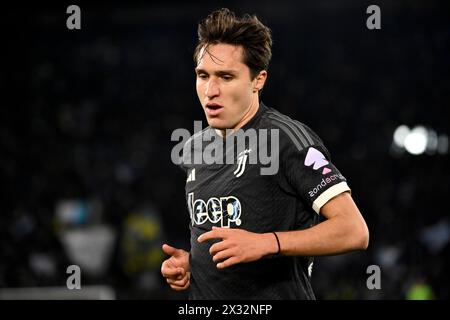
<point>212,89</point>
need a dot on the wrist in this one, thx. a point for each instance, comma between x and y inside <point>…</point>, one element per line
<point>272,247</point>
<point>278,243</point>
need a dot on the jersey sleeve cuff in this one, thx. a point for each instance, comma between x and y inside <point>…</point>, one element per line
<point>329,194</point>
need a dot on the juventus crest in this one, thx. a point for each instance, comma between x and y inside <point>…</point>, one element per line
<point>241,162</point>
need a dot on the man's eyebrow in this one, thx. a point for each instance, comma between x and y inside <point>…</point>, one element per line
<point>219,72</point>
<point>198,70</point>
<point>222,72</point>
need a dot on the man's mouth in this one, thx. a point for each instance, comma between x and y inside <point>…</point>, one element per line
<point>213,109</point>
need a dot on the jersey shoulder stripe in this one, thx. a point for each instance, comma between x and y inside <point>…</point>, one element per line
<point>294,129</point>
<point>303,128</point>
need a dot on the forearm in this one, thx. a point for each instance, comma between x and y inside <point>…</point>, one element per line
<point>333,236</point>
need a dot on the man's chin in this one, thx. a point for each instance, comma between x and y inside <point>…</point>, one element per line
<point>217,124</point>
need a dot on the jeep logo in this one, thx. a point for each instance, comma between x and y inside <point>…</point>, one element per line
<point>223,210</point>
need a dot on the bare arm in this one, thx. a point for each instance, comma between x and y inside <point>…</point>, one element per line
<point>344,230</point>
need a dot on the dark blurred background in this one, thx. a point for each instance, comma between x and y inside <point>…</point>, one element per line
<point>86,119</point>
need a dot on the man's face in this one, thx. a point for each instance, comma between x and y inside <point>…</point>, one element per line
<point>224,86</point>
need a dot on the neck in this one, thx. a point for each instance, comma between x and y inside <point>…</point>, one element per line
<point>249,114</point>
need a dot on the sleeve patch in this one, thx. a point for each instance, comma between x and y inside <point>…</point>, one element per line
<point>329,194</point>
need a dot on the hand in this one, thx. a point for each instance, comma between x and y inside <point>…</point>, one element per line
<point>238,246</point>
<point>176,268</point>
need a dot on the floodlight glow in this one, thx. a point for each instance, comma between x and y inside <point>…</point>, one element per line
<point>416,141</point>
<point>400,134</point>
<point>443,144</point>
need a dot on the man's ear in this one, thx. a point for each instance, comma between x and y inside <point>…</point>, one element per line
<point>260,79</point>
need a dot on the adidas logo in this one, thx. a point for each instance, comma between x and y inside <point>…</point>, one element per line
<point>191,176</point>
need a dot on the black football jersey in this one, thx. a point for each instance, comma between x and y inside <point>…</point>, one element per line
<point>236,194</point>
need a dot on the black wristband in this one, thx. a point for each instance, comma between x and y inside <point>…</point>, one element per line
<point>278,242</point>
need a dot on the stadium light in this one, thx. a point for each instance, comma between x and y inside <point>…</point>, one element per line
<point>416,140</point>
<point>419,139</point>
<point>400,134</point>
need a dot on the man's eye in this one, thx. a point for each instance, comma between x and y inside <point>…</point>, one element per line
<point>202,76</point>
<point>227,78</point>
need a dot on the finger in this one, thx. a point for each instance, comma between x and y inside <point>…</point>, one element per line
<point>222,255</point>
<point>219,246</point>
<point>216,233</point>
<point>178,288</point>
<point>206,236</point>
<point>171,272</point>
<point>227,263</point>
<point>171,251</point>
<point>178,283</point>
<point>223,229</point>
<point>181,273</point>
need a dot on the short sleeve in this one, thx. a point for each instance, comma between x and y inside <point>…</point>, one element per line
<point>312,175</point>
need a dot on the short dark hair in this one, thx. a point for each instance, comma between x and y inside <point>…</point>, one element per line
<point>222,26</point>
